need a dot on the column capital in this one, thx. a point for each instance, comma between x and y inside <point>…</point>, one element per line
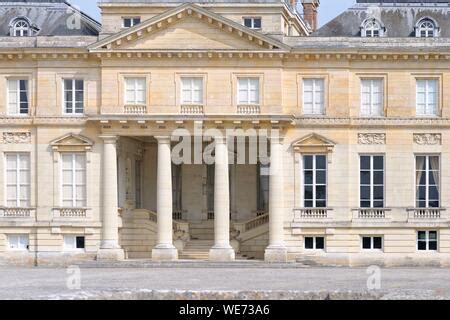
<point>163,139</point>
<point>109,139</point>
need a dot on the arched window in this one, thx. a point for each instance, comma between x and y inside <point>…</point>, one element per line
<point>372,28</point>
<point>426,28</point>
<point>21,28</point>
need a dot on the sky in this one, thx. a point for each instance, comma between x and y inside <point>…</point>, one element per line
<point>328,8</point>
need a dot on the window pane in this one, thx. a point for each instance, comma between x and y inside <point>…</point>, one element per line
<point>422,245</point>
<point>432,235</point>
<point>377,243</point>
<point>421,235</point>
<point>257,23</point>
<point>378,193</point>
<point>308,177</point>
<point>80,242</point>
<point>365,193</point>
<point>321,192</point>
<point>321,177</point>
<point>321,162</point>
<point>365,162</point>
<point>378,162</point>
<point>308,192</point>
<point>366,243</point>
<point>432,245</point>
<point>320,243</point>
<point>308,162</point>
<point>365,177</point>
<point>309,243</point>
<point>378,177</point>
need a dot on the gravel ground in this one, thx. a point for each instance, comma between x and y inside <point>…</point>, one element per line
<point>219,283</point>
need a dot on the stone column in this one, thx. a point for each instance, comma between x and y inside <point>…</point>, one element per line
<point>109,246</point>
<point>164,249</point>
<point>276,251</point>
<point>222,250</point>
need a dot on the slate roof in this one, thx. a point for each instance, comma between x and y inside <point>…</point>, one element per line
<point>398,17</point>
<point>49,16</point>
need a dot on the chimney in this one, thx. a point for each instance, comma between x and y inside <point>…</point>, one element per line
<point>310,12</point>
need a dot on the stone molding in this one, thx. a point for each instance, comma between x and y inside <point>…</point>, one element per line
<point>430,139</point>
<point>371,138</point>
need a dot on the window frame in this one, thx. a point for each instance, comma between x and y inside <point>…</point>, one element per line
<point>314,184</point>
<point>314,243</point>
<point>132,21</point>
<point>74,101</point>
<point>426,93</point>
<point>248,89</point>
<point>74,199</point>
<point>372,243</point>
<point>135,90</point>
<point>192,79</point>
<point>22,29</point>
<point>382,111</point>
<point>74,242</point>
<point>427,241</point>
<point>372,184</point>
<point>18,106</point>
<point>323,107</point>
<point>429,31</point>
<point>427,181</point>
<point>18,183</point>
<point>253,19</point>
<point>19,237</point>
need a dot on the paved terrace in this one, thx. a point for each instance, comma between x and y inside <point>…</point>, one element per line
<point>221,281</point>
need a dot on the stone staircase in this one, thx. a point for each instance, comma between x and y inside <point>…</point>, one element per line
<point>196,250</point>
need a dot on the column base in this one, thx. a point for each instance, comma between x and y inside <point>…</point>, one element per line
<point>116,254</point>
<point>222,254</point>
<point>164,253</point>
<point>275,254</point>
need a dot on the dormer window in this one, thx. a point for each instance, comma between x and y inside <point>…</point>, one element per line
<point>427,28</point>
<point>253,22</point>
<point>372,28</point>
<point>129,22</point>
<point>22,27</point>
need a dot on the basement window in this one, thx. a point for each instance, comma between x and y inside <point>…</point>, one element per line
<point>372,243</point>
<point>314,243</point>
<point>74,242</point>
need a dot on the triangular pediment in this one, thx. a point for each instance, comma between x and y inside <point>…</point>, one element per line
<point>72,140</point>
<point>188,27</point>
<point>313,140</point>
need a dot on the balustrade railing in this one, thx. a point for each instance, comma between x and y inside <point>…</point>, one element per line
<point>192,109</point>
<point>248,109</point>
<point>7,212</point>
<point>135,109</point>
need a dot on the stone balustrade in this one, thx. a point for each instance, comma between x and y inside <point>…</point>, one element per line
<point>248,109</point>
<point>135,109</point>
<point>70,213</point>
<point>311,213</point>
<point>7,212</point>
<point>192,109</point>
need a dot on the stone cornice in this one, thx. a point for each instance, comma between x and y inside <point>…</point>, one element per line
<point>372,122</point>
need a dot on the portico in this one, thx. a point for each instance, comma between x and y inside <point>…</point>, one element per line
<point>218,196</point>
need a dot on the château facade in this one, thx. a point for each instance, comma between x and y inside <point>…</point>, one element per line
<point>329,145</point>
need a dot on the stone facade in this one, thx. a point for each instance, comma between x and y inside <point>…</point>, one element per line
<point>133,203</point>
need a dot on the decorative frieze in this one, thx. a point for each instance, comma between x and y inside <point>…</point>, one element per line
<point>430,139</point>
<point>16,137</point>
<point>371,138</point>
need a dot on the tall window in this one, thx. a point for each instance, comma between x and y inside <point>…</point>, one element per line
<point>73,96</point>
<point>21,28</point>
<point>248,89</point>
<point>372,29</point>
<point>72,242</point>
<point>18,97</point>
<point>73,180</point>
<point>314,243</point>
<point>313,96</point>
<point>192,90</point>
<point>427,240</point>
<point>129,22</point>
<point>135,91</point>
<point>315,181</point>
<point>372,181</point>
<point>426,28</point>
<point>427,182</point>
<point>253,23</point>
<point>372,97</point>
<point>263,187</point>
<point>18,180</point>
<point>427,97</point>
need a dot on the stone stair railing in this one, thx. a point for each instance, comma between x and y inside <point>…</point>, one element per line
<point>251,224</point>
